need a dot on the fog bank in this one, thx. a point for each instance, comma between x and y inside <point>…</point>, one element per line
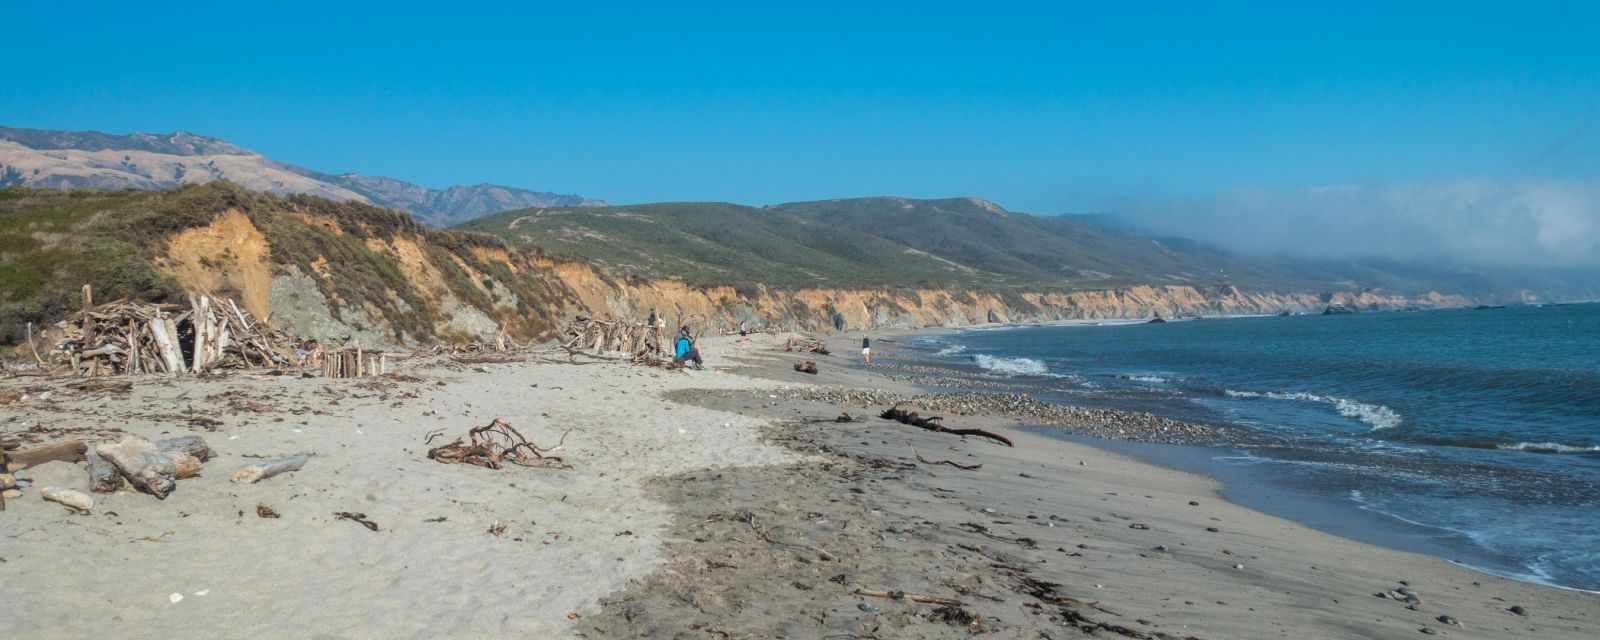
<point>1537,223</point>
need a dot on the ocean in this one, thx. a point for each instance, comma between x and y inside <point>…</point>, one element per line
<point>1471,434</point>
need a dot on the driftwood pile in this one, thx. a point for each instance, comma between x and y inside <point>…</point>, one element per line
<point>350,363</point>
<point>601,336</point>
<point>151,467</point>
<point>125,337</point>
<point>906,415</point>
<point>494,444</point>
<point>806,344</point>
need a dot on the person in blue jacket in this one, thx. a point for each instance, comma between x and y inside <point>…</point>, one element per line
<point>685,351</point>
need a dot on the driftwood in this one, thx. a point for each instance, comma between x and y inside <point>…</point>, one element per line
<point>963,467</point>
<point>806,344</point>
<point>266,469</point>
<point>358,518</point>
<point>75,500</point>
<point>806,367</point>
<point>914,597</point>
<point>64,451</point>
<point>145,466</point>
<point>192,445</point>
<point>103,476</point>
<point>124,337</point>
<point>933,424</point>
<point>492,445</point>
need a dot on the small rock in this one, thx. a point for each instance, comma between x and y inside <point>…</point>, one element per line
<point>175,598</point>
<point>1138,526</point>
<point>1518,609</point>
<point>1194,503</point>
<point>1161,547</point>
<point>869,608</point>
<point>1212,529</point>
<point>1448,620</point>
<point>1428,631</point>
<point>1238,566</point>
<point>69,498</point>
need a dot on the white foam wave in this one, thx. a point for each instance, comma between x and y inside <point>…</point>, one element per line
<point>1375,415</point>
<point>1150,379</point>
<point>1011,366</point>
<point>951,350</point>
<point>1547,447</point>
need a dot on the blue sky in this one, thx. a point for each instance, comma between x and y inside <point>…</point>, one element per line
<point>1046,108</point>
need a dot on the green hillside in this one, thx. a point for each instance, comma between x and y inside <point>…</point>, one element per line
<point>892,242</point>
<point>859,242</point>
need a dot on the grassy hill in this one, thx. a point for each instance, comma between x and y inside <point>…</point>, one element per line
<point>894,242</point>
<point>851,243</point>
<point>371,268</point>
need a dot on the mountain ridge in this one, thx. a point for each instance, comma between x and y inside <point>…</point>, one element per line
<point>46,158</point>
<point>961,242</point>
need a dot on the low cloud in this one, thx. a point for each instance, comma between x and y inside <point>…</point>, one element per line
<point>1543,223</point>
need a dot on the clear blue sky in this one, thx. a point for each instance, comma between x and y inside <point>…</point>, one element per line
<point>1040,107</point>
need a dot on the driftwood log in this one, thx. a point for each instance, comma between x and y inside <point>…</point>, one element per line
<point>266,469</point>
<point>933,424</point>
<point>64,451</point>
<point>806,367</point>
<point>191,445</point>
<point>913,597</point>
<point>72,499</point>
<point>145,466</point>
<point>103,476</point>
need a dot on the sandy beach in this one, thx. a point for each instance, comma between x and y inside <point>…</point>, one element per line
<point>714,503</point>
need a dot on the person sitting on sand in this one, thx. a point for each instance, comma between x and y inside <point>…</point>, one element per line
<point>685,350</point>
<point>866,350</point>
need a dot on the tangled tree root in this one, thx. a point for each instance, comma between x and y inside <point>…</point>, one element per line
<point>494,444</point>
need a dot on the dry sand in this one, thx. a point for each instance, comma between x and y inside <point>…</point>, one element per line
<point>722,512</point>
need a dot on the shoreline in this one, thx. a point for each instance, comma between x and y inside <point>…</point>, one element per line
<point>1323,513</point>
<point>700,504</point>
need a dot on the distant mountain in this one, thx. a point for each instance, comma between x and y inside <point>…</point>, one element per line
<point>94,160</point>
<point>954,242</point>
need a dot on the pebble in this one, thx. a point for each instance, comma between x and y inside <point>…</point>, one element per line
<point>1448,620</point>
<point>1238,566</point>
<point>1111,423</point>
<point>869,608</point>
<point>1518,609</point>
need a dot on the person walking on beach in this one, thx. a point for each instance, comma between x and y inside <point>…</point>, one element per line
<point>658,324</point>
<point>866,350</point>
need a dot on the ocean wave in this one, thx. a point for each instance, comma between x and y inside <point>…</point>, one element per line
<point>1375,415</point>
<point>1011,366</point>
<point>1547,447</point>
<point>951,350</point>
<point>1143,378</point>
